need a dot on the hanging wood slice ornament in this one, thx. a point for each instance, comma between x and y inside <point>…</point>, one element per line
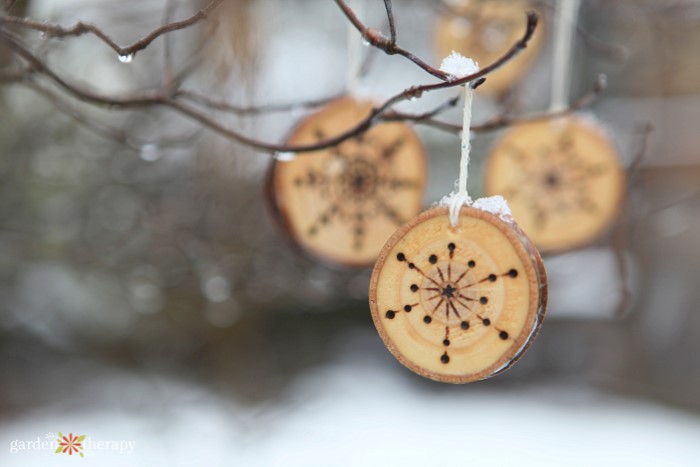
<point>562,179</point>
<point>458,304</point>
<point>484,30</point>
<point>340,205</point>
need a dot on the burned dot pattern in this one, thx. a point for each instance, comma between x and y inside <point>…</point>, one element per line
<point>452,296</point>
<point>476,292</point>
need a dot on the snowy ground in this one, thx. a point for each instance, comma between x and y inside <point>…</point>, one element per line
<point>356,412</point>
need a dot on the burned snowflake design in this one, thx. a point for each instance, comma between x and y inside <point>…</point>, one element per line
<point>358,183</point>
<point>452,294</point>
<point>553,180</point>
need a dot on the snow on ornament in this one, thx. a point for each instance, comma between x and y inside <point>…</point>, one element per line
<point>484,30</point>
<point>341,204</point>
<point>459,292</point>
<point>458,304</point>
<point>563,181</point>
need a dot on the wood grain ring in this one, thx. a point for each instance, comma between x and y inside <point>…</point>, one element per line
<point>340,205</point>
<point>460,304</point>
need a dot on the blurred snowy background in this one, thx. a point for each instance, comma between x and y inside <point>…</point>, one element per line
<point>145,295</point>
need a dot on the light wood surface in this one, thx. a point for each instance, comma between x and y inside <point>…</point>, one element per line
<point>484,31</point>
<point>562,179</point>
<point>458,304</point>
<point>342,204</point>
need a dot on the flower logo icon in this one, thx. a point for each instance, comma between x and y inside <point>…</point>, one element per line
<point>70,444</point>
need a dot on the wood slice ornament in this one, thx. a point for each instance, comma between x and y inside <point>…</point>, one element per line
<point>340,205</point>
<point>458,304</point>
<point>484,30</point>
<point>563,181</point>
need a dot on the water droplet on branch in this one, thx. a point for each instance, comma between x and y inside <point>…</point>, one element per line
<point>285,156</point>
<point>126,58</point>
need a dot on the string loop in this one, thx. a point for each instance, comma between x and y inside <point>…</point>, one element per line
<point>458,66</point>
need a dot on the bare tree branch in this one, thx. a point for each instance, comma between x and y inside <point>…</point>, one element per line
<point>80,28</point>
<point>390,18</point>
<point>644,129</point>
<point>175,98</point>
<point>395,116</point>
<point>102,130</point>
<point>161,98</point>
<point>223,106</point>
<point>388,45</point>
<point>504,119</point>
<point>168,75</point>
<point>119,135</point>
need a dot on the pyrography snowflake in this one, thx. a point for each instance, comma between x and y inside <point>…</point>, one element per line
<point>553,179</point>
<point>450,294</point>
<point>357,184</point>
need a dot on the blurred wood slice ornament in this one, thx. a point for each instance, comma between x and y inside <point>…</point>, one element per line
<point>458,304</point>
<point>340,205</point>
<point>563,181</point>
<point>484,30</point>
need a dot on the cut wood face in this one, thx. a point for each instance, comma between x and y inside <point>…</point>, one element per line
<point>484,30</point>
<point>562,180</point>
<point>341,204</point>
<point>458,304</point>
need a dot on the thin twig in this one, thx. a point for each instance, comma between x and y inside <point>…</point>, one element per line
<point>162,99</point>
<point>645,130</point>
<point>392,24</point>
<point>395,116</point>
<point>389,46</point>
<point>582,102</point>
<point>119,135</point>
<point>168,75</point>
<point>504,120</point>
<point>623,229</point>
<point>613,52</point>
<point>39,66</point>
<point>515,49</point>
<point>80,28</point>
<point>102,130</point>
<point>223,106</point>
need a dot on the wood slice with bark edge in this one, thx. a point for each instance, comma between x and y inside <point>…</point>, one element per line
<point>484,30</point>
<point>562,179</point>
<point>458,304</point>
<point>340,205</point>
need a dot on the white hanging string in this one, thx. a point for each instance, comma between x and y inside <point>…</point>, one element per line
<point>462,196</point>
<point>566,17</point>
<point>466,139</point>
<point>354,49</point>
<point>459,66</point>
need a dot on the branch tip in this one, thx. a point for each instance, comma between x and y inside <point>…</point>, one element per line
<point>478,83</point>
